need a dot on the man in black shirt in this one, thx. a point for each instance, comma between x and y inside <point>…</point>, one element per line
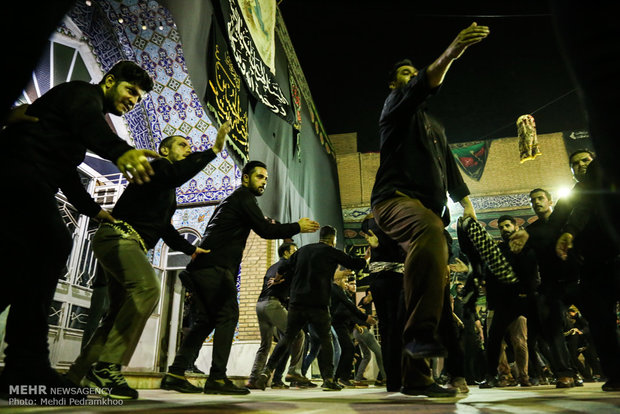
<point>345,315</point>
<point>271,312</point>
<point>214,275</point>
<point>588,235</point>
<point>311,270</point>
<point>386,274</point>
<point>71,120</point>
<point>408,199</point>
<point>558,279</point>
<point>508,302</point>
<point>144,214</point>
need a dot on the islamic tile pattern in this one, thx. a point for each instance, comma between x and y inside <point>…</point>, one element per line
<point>148,36</point>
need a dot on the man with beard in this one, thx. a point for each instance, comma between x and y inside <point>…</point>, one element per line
<point>143,215</point>
<point>508,304</point>
<point>70,121</point>
<point>409,199</point>
<point>312,269</point>
<point>213,275</point>
<point>559,279</point>
<point>587,235</point>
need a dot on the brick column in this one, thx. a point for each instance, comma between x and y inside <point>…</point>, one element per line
<point>257,257</point>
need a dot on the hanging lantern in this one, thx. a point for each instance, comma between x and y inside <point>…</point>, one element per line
<point>528,142</point>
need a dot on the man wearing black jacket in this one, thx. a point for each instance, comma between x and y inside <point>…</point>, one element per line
<point>144,215</point>
<point>214,275</point>
<point>70,120</point>
<point>508,302</point>
<point>272,313</point>
<point>587,234</point>
<point>345,315</point>
<point>311,270</point>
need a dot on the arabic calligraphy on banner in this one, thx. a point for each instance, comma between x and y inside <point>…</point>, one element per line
<point>226,96</point>
<point>261,83</point>
<point>260,19</point>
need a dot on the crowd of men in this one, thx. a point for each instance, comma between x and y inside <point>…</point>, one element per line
<point>537,281</point>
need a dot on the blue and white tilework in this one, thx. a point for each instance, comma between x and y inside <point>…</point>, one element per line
<point>148,36</point>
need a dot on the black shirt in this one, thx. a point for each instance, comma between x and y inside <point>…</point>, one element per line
<point>71,120</point>
<point>388,249</point>
<point>311,269</point>
<point>543,235</point>
<point>415,157</point>
<point>280,290</point>
<point>343,309</point>
<point>229,228</point>
<point>149,207</point>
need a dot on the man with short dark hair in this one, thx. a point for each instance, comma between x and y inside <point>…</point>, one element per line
<point>587,234</point>
<point>345,315</point>
<point>214,275</point>
<point>311,270</point>
<point>71,120</point>
<point>509,303</point>
<point>416,172</point>
<point>272,315</point>
<point>143,215</point>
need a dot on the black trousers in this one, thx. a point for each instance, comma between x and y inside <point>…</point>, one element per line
<point>449,335</point>
<point>29,287</point>
<point>387,293</point>
<point>298,317</point>
<point>345,339</point>
<point>505,312</point>
<point>552,307</point>
<point>217,309</point>
<point>600,288</point>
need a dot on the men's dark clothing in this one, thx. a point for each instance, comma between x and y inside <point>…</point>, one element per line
<point>311,270</point>
<point>273,315</point>
<point>214,275</point>
<point>599,287</point>
<point>416,171</point>
<point>345,315</point>
<point>229,228</point>
<point>279,291</point>
<point>146,211</point>
<point>386,265</point>
<point>415,157</point>
<point>559,281</point>
<point>71,120</point>
<point>419,232</point>
<point>509,301</point>
<point>149,207</point>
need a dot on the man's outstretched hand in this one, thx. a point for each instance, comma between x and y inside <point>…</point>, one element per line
<point>467,37</point>
<point>307,226</point>
<point>135,166</point>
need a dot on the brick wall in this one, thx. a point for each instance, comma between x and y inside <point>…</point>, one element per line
<point>258,255</point>
<point>503,174</point>
<point>344,143</point>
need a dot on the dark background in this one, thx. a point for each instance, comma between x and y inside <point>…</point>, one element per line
<point>346,49</point>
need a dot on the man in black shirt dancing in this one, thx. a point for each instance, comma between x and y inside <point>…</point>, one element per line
<point>71,120</point>
<point>143,215</point>
<point>416,171</point>
<point>214,275</point>
<point>311,270</point>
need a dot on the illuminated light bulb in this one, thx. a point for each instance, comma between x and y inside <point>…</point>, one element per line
<point>88,3</point>
<point>120,20</point>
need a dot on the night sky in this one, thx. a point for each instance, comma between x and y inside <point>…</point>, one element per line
<point>347,47</point>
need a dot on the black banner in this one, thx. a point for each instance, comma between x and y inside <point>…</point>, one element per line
<point>260,81</point>
<point>226,96</point>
